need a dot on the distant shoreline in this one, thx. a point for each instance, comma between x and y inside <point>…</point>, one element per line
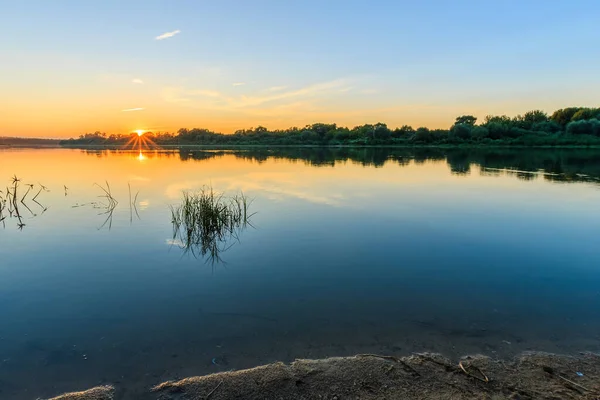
<point>17,142</point>
<point>39,143</point>
<point>342,146</point>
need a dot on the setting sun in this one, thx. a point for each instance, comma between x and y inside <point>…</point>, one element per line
<point>139,132</point>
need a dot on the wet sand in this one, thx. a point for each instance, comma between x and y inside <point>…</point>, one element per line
<point>135,366</point>
<point>367,376</point>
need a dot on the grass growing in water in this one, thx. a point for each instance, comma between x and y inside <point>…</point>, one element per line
<point>11,199</point>
<point>207,222</point>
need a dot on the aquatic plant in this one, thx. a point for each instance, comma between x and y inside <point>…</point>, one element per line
<point>11,199</point>
<point>108,207</point>
<point>109,203</point>
<point>132,204</point>
<point>208,223</point>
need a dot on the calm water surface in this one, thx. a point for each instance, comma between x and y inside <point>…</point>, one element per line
<point>352,251</point>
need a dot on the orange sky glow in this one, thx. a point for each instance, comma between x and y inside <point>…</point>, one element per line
<point>157,69</point>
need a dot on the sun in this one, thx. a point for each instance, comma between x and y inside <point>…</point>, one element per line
<point>139,132</point>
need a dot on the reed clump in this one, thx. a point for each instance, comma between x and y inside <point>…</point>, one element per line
<point>208,222</point>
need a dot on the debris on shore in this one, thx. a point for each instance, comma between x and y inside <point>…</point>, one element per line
<point>370,376</point>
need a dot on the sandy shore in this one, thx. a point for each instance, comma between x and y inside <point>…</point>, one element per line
<point>365,376</point>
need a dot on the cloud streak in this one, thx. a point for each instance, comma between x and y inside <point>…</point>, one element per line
<point>181,94</point>
<point>307,91</point>
<point>133,109</point>
<point>281,102</point>
<point>206,93</point>
<point>276,88</point>
<point>137,81</point>
<point>167,35</point>
<point>238,84</point>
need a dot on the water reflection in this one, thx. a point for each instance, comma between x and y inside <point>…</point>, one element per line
<point>566,165</point>
<point>205,224</point>
<point>484,245</point>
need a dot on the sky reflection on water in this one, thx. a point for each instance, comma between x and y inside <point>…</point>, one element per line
<point>368,250</point>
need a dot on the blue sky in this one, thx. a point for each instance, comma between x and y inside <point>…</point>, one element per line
<point>236,64</point>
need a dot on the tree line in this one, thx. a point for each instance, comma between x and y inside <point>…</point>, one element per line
<point>567,126</point>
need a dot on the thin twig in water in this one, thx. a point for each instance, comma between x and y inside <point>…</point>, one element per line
<point>37,194</point>
<point>109,207</point>
<point>130,205</point>
<point>28,209</point>
<point>135,205</point>
<point>108,219</point>
<point>29,187</point>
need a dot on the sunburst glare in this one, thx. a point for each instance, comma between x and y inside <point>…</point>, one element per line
<point>141,140</point>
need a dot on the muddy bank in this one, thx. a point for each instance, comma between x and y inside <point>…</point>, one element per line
<point>97,393</point>
<point>420,376</point>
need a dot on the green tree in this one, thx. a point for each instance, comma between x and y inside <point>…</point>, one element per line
<point>497,130</point>
<point>479,132</point>
<point>461,131</point>
<point>405,131</point>
<point>584,127</point>
<point>547,127</point>
<point>423,135</point>
<point>499,119</point>
<point>530,118</point>
<point>465,119</point>
<point>564,115</point>
<point>381,131</point>
<point>586,113</point>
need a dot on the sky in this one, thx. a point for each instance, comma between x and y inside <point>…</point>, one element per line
<point>69,67</point>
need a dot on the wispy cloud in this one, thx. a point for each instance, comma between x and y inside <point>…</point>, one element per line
<point>277,97</point>
<point>276,88</point>
<point>207,93</point>
<point>137,81</point>
<point>167,35</point>
<point>238,83</point>
<point>175,94</point>
<point>133,109</point>
<point>307,91</point>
